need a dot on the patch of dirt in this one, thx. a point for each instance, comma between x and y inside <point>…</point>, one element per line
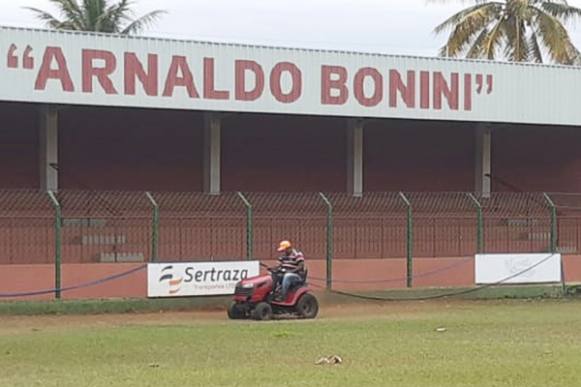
<point>406,310</point>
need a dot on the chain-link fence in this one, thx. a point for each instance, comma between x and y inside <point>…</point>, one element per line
<point>444,224</point>
<point>568,214</point>
<point>141,226</point>
<point>105,227</point>
<point>27,227</point>
<point>195,226</point>
<point>519,223</point>
<point>371,226</point>
<point>297,216</point>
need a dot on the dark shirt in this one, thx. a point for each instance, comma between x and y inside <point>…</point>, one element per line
<point>293,262</point>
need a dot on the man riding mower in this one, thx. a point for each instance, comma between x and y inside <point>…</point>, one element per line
<point>283,291</point>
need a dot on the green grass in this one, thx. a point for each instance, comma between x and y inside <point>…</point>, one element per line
<point>487,343</point>
<point>80,307</point>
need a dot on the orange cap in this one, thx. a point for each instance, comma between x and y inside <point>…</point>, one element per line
<point>284,245</point>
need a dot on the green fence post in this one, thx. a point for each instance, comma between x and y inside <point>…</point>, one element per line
<point>479,224</point>
<point>249,227</point>
<point>57,243</point>
<point>553,241</point>
<point>329,240</point>
<point>553,237</point>
<point>409,241</point>
<point>154,228</point>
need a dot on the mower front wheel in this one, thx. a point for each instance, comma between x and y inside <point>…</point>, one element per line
<point>308,306</point>
<point>235,311</point>
<point>262,312</point>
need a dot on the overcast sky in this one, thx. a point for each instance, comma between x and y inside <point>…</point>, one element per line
<point>387,26</point>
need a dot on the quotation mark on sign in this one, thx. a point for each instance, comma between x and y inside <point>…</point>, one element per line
<point>13,58</point>
<point>480,83</point>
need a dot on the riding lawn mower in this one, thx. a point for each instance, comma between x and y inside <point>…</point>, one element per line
<point>255,298</point>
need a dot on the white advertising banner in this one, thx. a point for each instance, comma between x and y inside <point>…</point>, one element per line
<point>197,278</point>
<point>90,69</point>
<point>521,268</point>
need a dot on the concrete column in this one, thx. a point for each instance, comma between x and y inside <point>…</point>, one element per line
<point>355,157</point>
<point>48,148</point>
<point>482,165</point>
<point>212,150</point>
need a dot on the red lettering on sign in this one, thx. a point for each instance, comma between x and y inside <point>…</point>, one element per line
<point>275,82</point>
<point>404,88</point>
<point>180,65</point>
<point>468,92</point>
<point>101,73</point>
<point>134,70</point>
<point>210,91</point>
<point>359,91</point>
<point>407,91</point>
<point>241,67</point>
<point>424,89</point>
<point>449,92</point>
<point>61,73</point>
<point>338,83</point>
<point>12,57</point>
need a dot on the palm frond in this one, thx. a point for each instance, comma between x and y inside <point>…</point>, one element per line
<point>468,27</point>
<point>492,41</point>
<point>143,22</point>
<point>72,13</point>
<point>112,16</point>
<point>116,15</point>
<point>519,30</point>
<point>48,19</point>
<point>92,13</point>
<point>476,12</point>
<point>536,54</point>
<point>443,51</point>
<point>516,44</point>
<point>475,50</point>
<point>562,11</point>
<point>554,37</point>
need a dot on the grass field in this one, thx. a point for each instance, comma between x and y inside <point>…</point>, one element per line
<point>485,343</point>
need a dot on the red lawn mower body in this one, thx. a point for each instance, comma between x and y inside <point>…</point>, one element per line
<point>254,298</point>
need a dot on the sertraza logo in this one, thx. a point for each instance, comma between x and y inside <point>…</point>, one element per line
<point>174,283</point>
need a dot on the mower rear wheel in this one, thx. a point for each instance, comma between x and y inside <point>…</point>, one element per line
<point>308,306</point>
<point>262,311</point>
<point>235,311</point>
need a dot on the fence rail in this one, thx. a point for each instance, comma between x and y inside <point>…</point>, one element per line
<point>94,227</point>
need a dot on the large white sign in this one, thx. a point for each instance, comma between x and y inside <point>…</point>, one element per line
<point>197,278</point>
<point>80,68</point>
<point>518,268</point>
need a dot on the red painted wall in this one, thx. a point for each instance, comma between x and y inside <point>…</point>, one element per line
<point>417,156</point>
<point>18,146</point>
<point>537,159</point>
<point>130,149</point>
<point>283,153</point>
<point>349,274</point>
<point>140,149</point>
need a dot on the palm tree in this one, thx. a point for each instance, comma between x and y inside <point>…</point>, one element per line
<point>518,30</point>
<point>97,16</point>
